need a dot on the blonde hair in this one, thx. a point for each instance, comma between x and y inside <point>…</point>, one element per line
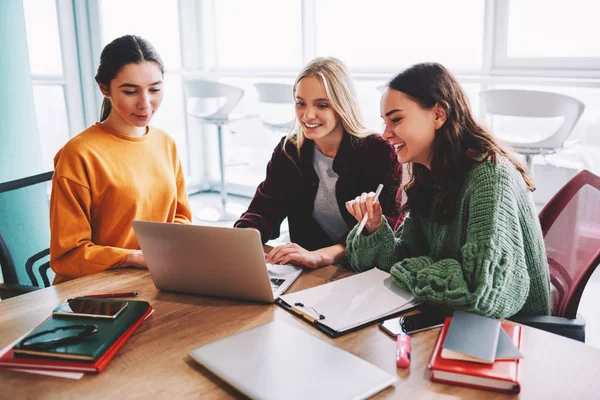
<point>335,76</point>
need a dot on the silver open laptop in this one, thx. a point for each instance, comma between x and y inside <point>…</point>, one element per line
<point>211,261</point>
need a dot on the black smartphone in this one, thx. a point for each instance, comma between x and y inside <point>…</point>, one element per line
<point>90,308</point>
<point>412,323</point>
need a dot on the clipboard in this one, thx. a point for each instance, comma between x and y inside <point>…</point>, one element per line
<point>349,304</point>
<point>333,333</point>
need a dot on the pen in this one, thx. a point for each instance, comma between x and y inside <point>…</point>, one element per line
<point>403,350</point>
<point>107,295</point>
<point>364,220</point>
<point>303,315</point>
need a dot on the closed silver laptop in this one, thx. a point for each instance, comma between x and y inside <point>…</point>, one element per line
<point>211,261</point>
<point>278,361</point>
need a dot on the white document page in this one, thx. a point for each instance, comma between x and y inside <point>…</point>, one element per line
<point>57,374</point>
<point>352,301</point>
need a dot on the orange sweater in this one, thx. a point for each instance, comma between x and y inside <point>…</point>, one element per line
<point>102,181</point>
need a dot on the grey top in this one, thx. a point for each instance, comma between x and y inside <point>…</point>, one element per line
<point>326,210</point>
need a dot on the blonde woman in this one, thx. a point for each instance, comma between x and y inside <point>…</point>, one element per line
<point>328,158</point>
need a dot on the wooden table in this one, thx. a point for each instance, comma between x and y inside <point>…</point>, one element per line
<point>154,362</point>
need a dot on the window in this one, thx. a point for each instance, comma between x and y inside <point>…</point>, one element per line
<point>43,39</point>
<point>155,20</point>
<point>486,43</point>
<point>249,148</point>
<point>565,29</point>
<point>534,37</point>
<point>51,112</point>
<point>248,31</point>
<point>171,115</point>
<point>397,33</point>
<point>49,82</point>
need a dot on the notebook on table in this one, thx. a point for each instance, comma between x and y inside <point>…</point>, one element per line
<point>94,346</point>
<point>476,338</point>
<point>471,337</point>
<point>211,261</point>
<point>9,360</point>
<point>278,361</point>
<point>348,304</point>
<point>502,375</point>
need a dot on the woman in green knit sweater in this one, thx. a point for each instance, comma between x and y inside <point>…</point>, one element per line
<point>472,239</point>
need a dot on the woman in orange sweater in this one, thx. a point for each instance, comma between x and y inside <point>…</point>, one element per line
<point>117,170</point>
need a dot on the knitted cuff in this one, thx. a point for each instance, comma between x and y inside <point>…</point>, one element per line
<point>415,264</point>
<point>384,234</point>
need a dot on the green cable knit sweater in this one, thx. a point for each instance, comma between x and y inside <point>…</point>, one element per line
<point>489,260</point>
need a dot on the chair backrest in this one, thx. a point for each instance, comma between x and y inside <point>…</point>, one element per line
<point>571,227</point>
<point>276,99</point>
<point>536,104</point>
<point>25,230</point>
<point>204,89</point>
<point>275,92</point>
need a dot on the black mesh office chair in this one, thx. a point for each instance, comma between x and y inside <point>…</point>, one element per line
<point>25,234</point>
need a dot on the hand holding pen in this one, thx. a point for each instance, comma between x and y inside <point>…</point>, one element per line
<point>366,209</point>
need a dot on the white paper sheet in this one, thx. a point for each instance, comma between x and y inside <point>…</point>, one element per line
<point>58,374</point>
<point>352,301</point>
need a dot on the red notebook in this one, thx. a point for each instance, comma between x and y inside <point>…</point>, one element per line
<point>501,375</point>
<point>9,360</point>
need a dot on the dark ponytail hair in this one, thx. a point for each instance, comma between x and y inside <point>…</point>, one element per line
<point>128,49</point>
<point>458,145</point>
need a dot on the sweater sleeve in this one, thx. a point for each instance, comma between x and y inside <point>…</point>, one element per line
<point>183,212</point>
<point>72,252</point>
<point>268,207</point>
<point>382,248</point>
<point>491,278</point>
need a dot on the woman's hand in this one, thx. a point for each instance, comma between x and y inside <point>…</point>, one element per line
<point>291,253</point>
<point>364,204</point>
<point>136,259</point>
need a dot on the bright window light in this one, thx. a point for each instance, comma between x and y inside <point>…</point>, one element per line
<point>155,20</point>
<point>53,126</point>
<point>537,28</point>
<point>43,39</point>
<point>398,33</point>
<point>258,34</point>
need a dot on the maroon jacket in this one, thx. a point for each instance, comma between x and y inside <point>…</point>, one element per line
<point>290,188</point>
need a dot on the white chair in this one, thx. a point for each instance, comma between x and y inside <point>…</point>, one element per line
<point>198,89</point>
<point>535,104</point>
<point>276,95</point>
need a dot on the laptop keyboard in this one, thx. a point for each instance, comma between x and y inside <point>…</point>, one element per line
<point>275,283</point>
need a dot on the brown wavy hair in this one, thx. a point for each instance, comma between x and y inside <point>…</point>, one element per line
<point>458,145</point>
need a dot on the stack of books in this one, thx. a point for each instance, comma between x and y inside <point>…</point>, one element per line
<point>90,355</point>
<point>477,351</point>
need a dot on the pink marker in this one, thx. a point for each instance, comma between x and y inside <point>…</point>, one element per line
<point>403,350</point>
